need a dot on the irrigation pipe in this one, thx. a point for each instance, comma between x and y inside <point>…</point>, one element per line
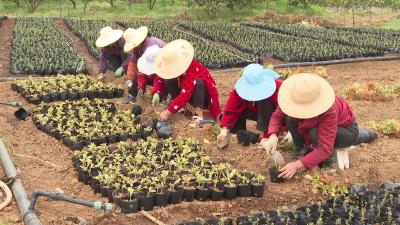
<point>340,61</point>
<point>152,218</point>
<point>8,194</point>
<point>28,217</point>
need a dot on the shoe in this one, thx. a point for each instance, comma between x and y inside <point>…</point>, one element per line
<point>129,99</point>
<point>300,152</point>
<point>366,136</point>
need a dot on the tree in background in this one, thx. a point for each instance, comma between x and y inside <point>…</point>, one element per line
<point>151,4</point>
<point>111,2</point>
<point>85,4</point>
<point>16,2</point>
<point>73,2</point>
<point>353,6</point>
<point>32,5</point>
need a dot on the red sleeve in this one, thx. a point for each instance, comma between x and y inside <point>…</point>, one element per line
<point>158,86</point>
<point>327,130</point>
<point>276,121</point>
<point>131,70</point>
<point>274,100</point>
<point>141,81</point>
<point>187,87</point>
<point>234,107</point>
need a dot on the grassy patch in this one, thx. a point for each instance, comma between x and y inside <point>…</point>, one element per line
<point>372,91</point>
<point>393,24</point>
<point>389,127</point>
<point>2,222</point>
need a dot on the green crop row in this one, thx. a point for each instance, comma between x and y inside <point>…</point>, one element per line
<point>371,40</point>
<point>40,47</point>
<point>211,55</point>
<point>280,46</point>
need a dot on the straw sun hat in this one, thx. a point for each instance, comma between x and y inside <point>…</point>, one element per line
<point>174,59</point>
<point>146,63</point>
<point>256,83</point>
<point>305,96</point>
<point>134,37</point>
<point>108,36</point>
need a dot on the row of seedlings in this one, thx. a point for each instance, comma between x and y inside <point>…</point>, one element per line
<point>284,47</point>
<point>361,207</point>
<point>211,55</point>
<point>61,88</point>
<point>88,32</point>
<point>147,173</point>
<point>378,42</point>
<point>40,47</point>
<point>81,122</point>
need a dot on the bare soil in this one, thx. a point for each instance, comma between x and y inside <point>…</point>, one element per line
<point>5,46</point>
<point>370,163</point>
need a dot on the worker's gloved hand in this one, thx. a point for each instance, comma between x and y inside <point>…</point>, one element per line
<point>156,99</point>
<point>262,142</point>
<point>119,72</point>
<point>271,144</point>
<point>129,83</point>
<point>141,92</point>
<point>223,138</point>
<point>288,138</point>
<point>100,76</point>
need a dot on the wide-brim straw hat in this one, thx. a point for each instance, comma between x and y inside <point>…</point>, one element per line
<point>256,83</point>
<point>305,96</point>
<point>146,63</point>
<point>108,36</point>
<point>174,59</point>
<point>134,37</point>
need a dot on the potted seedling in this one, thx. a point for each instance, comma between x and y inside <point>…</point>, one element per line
<point>277,161</point>
<point>162,194</point>
<point>202,184</point>
<point>244,188</point>
<point>176,191</point>
<point>129,204</point>
<point>188,188</point>
<point>230,188</point>
<point>257,186</point>
<point>216,193</point>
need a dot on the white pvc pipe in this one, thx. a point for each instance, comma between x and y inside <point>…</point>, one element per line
<point>28,217</point>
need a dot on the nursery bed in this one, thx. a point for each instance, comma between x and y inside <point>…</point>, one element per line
<point>374,164</point>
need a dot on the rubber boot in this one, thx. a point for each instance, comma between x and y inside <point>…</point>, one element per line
<point>366,136</point>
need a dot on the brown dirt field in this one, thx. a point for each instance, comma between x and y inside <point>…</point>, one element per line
<point>5,46</point>
<point>80,48</point>
<point>370,163</point>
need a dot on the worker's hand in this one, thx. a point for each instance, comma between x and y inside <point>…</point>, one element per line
<point>223,138</point>
<point>164,115</point>
<point>129,83</point>
<point>100,76</point>
<point>141,92</point>
<point>288,138</point>
<point>271,144</point>
<point>290,169</point>
<point>156,99</point>
<point>119,72</point>
<point>262,142</point>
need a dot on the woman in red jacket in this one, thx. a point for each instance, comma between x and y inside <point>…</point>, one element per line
<point>255,97</point>
<point>188,82</point>
<point>317,119</point>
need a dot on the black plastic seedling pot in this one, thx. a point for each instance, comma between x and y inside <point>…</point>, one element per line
<point>202,194</point>
<point>216,194</point>
<point>188,194</point>
<point>176,196</point>
<point>147,202</point>
<point>244,190</point>
<point>21,114</point>
<point>129,206</point>
<point>257,189</point>
<point>274,172</point>
<point>162,198</point>
<point>230,192</point>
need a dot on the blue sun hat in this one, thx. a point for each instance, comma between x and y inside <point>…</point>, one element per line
<point>256,83</point>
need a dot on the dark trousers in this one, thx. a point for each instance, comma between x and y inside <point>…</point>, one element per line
<point>345,137</point>
<point>133,90</point>
<point>265,110</point>
<point>115,61</point>
<point>200,97</point>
